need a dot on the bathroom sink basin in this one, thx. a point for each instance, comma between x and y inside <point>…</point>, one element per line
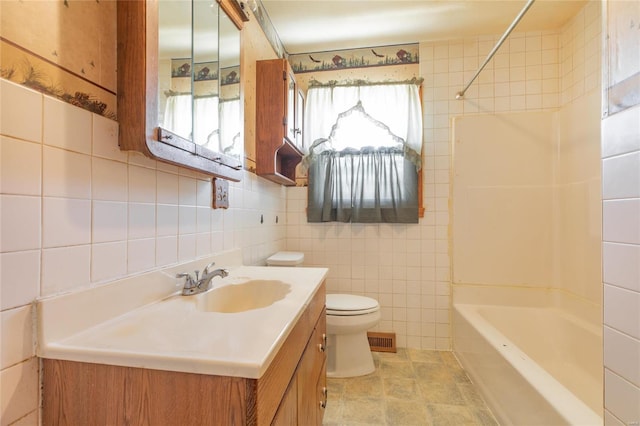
<point>242,297</point>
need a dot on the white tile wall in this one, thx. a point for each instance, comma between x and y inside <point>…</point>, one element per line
<point>621,265</point>
<point>109,180</point>
<point>621,252</point>
<point>17,336</point>
<point>17,107</point>
<point>65,173</point>
<point>620,176</point>
<point>76,211</point>
<point>65,127</point>
<point>20,222</point>
<point>19,390</point>
<point>64,268</point>
<point>621,355</point>
<point>20,170</point>
<point>19,278</point>
<point>65,222</point>
<point>621,398</point>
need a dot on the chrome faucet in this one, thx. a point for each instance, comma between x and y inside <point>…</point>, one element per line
<point>200,284</point>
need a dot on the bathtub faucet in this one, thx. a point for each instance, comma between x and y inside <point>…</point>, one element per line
<point>200,284</point>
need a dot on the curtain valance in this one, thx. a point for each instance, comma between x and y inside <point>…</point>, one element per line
<point>393,108</point>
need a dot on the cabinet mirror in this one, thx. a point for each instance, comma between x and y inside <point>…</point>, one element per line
<point>231,142</point>
<point>179,83</point>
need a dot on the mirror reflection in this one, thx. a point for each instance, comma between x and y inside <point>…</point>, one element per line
<point>199,75</point>
<point>205,74</point>
<point>230,106</point>
<point>174,68</point>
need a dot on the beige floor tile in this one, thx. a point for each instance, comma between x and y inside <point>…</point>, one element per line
<point>433,373</point>
<point>406,413</point>
<point>333,412</point>
<point>442,393</point>
<point>484,416</point>
<point>366,410</point>
<point>401,355</point>
<point>398,369</point>
<point>363,387</point>
<point>335,388</point>
<point>411,387</point>
<point>400,388</point>
<point>417,355</point>
<point>459,375</point>
<point>450,415</point>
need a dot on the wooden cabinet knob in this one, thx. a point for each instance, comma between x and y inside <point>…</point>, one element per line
<point>323,346</point>
<point>323,402</point>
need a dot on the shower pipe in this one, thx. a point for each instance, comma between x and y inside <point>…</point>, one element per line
<point>460,94</point>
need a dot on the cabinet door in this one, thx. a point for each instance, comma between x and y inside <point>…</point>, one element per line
<point>287,413</point>
<point>299,119</point>
<point>312,379</point>
<point>321,362</point>
<point>290,118</point>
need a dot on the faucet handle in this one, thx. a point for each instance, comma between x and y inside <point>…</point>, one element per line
<point>206,268</point>
<point>188,279</point>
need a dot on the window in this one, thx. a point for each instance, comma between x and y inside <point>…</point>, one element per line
<point>366,152</point>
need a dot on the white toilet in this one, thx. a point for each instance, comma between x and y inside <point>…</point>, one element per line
<point>348,319</point>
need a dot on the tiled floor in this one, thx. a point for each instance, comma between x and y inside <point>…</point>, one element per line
<point>410,387</point>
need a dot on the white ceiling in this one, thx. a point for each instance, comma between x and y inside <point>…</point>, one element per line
<point>306,26</point>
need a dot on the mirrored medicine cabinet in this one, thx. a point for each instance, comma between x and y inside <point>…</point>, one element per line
<point>179,86</point>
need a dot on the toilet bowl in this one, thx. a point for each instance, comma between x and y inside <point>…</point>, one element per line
<point>348,319</point>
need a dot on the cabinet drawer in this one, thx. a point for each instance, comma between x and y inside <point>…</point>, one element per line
<point>318,345</point>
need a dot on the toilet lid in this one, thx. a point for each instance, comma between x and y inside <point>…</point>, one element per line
<point>350,304</point>
<point>286,258</point>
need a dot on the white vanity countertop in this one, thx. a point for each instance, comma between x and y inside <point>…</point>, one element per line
<point>171,333</point>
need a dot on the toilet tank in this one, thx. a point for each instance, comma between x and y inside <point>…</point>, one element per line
<point>286,258</point>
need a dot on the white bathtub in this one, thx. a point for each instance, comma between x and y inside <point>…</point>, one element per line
<point>535,365</point>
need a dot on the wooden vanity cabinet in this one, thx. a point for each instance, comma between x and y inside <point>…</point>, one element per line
<point>278,121</point>
<point>306,395</point>
<point>312,380</point>
<point>291,391</point>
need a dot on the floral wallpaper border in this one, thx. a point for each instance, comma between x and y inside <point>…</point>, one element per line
<point>378,56</point>
<point>66,49</point>
<point>268,29</point>
<point>24,67</point>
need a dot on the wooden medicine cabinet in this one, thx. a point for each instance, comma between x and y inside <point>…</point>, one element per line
<point>279,110</point>
<point>179,90</point>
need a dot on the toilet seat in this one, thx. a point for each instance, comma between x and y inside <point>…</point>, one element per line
<point>350,305</point>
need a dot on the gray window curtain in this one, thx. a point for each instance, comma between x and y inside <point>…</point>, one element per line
<point>364,160</point>
<point>363,186</point>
